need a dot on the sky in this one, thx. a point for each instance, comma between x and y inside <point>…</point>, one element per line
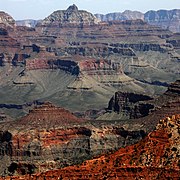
<point>39,9</point>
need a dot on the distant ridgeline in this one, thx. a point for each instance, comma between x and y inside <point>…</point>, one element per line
<point>166,19</point>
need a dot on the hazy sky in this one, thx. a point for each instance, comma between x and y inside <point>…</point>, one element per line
<point>39,9</point>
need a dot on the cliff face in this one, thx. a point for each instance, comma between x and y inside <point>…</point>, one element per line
<point>154,157</point>
<point>165,19</point>
<point>143,108</point>
<point>126,15</point>
<point>9,48</point>
<point>130,105</point>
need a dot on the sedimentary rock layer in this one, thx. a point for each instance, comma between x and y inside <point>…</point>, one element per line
<point>154,157</point>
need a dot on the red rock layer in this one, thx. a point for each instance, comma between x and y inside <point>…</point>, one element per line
<point>41,139</point>
<point>40,60</point>
<point>8,42</point>
<point>48,115</point>
<point>155,157</point>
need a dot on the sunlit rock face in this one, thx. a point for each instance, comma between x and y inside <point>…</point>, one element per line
<point>6,19</point>
<point>70,16</point>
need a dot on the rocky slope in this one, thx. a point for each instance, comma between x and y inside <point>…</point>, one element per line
<point>154,157</point>
<point>10,44</point>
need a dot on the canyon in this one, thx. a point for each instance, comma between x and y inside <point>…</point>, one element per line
<point>88,98</point>
<point>51,137</point>
<point>166,19</point>
<point>154,157</point>
<point>62,56</point>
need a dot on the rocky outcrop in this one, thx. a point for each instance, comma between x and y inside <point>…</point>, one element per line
<point>7,41</point>
<point>41,58</point>
<point>133,15</point>
<point>154,157</point>
<point>41,137</point>
<point>174,89</point>
<point>114,31</point>
<point>70,16</point>
<point>45,149</point>
<point>143,108</point>
<point>167,19</point>
<point>170,96</point>
<point>11,50</point>
<point>6,20</point>
<point>130,104</point>
<point>94,56</point>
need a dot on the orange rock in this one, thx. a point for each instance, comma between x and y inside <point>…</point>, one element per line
<point>155,157</point>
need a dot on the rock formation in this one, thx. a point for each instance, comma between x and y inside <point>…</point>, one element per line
<point>72,60</point>
<point>166,19</point>
<point>70,16</point>
<point>69,51</point>
<point>6,20</point>
<point>51,137</point>
<point>130,104</point>
<point>143,108</point>
<point>40,116</point>
<point>126,15</point>
<point>10,44</point>
<point>154,157</point>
